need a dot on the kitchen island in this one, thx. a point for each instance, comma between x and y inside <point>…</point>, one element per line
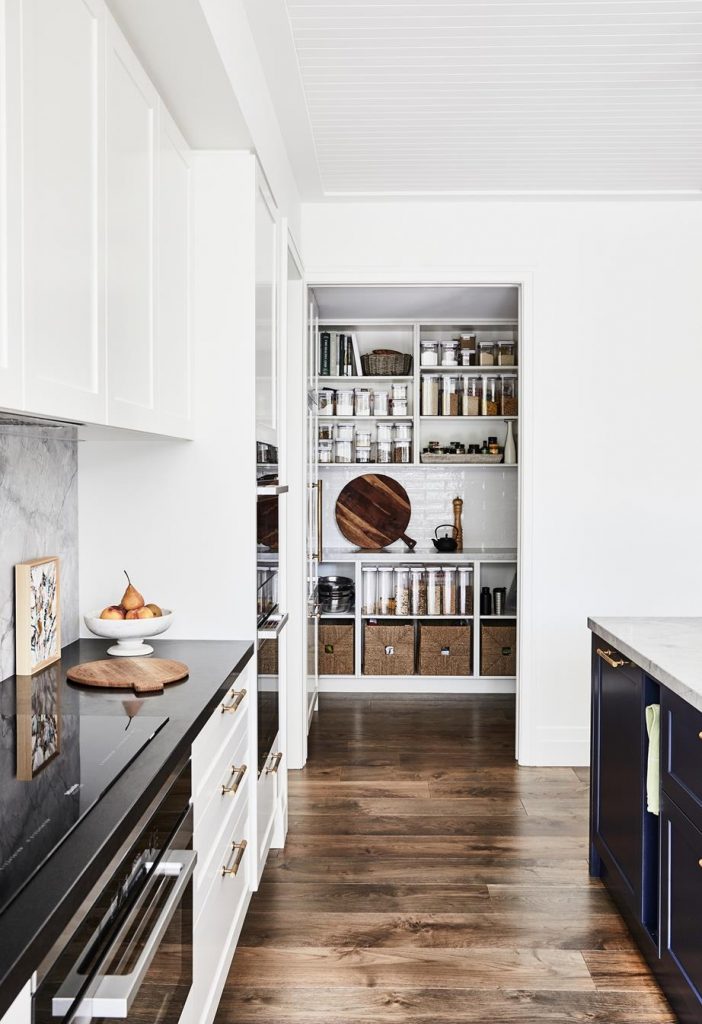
<point>39,904</point>
<point>646,791</point>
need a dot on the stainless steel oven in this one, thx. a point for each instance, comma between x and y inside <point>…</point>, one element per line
<point>127,955</point>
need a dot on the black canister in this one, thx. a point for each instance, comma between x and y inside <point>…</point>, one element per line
<point>485,601</point>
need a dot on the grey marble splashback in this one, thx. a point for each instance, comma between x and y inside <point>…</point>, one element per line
<point>38,516</point>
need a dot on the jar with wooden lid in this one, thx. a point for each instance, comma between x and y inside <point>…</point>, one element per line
<point>449,396</point>
<point>490,405</point>
<point>509,402</point>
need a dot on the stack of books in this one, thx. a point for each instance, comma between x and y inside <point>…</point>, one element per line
<point>339,355</point>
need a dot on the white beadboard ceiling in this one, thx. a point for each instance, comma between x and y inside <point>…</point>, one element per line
<point>395,97</point>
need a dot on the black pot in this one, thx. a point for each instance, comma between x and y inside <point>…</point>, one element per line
<point>445,544</point>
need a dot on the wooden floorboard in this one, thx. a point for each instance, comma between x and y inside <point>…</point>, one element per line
<point>427,878</point>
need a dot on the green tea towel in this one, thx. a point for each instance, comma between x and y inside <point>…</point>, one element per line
<point>653,768</point>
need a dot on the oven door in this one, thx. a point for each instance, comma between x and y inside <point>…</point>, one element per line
<point>130,957</point>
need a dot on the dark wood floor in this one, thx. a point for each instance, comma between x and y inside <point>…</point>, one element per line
<point>426,878</point>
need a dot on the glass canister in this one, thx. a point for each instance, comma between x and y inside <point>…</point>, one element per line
<point>344,402</point>
<point>506,353</point>
<point>465,590</point>
<point>362,402</point>
<point>435,584</point>
<point>509,402</point>
<point>398,402</point>
<point>429,353</point>
<point>449,353</point>
<point>449,396</point>
<point>325,402</point>
<point>386,590</point>
<point>402,452</point>
<point>402,431</point>
<point>384,452</point>
<point>487,353</point>
<point>363,454</point>
<point>381,406</point>
<point>343,451</point>
<point>325,451</point>
<point>472,394</point>
<point>491,396</point>
<point>402,591</point>
<point>369,575</point>
<point>364,438</point>
<point>325,431</point>
<point>467,351</point>
<point>449,596</point>
<point>384,431</point>
<point>343,431</point>
<point>418,591</point>
<point>430,394</point>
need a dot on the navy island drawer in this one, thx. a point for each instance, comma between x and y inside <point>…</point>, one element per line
<point>681,898</point>
<point>681,754</point>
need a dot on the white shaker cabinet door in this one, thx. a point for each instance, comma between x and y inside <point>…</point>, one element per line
<point>131,127</point>
<point>62,230</point>
<point>174,298</point>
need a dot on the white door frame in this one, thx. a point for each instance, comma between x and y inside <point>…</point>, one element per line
<point>523,278</point>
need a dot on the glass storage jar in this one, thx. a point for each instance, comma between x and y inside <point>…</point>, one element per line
<point>506,353</point>
<point>325,402</point>
<point>418,591</point>
<point>325,431</point>
<point>465,590</point>
<point>449,596</point>
<point>399,402</point>
<point>344,403</point>
<point>491,396</point>
<point>430,394</point>
<point>472,394</point>
<point>369,575</point>
<point>364,437</point>
<point>325,451</point>
<point>487,353</point>
<point>429,353</point>
<point>380,403</point>
<point>449,353</point>
<point>434,591</point>
<point>468,347</point>
<point>402,431</point>
<point>402,452</point>
<point>363,454</point>
<point>449,396</point>
<point>384,431</point>
<point>402,591</point>
<point>343,451</point>
<point>386,590</point>
<point>384,452</point>
<point>362,402</point>
<point>509,402</point>
<point>343,431</point>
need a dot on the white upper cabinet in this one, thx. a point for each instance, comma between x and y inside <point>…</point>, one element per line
<point>62,224</point>
<point>131,131</point>
<point>11,395</point>
<point>266,315</point>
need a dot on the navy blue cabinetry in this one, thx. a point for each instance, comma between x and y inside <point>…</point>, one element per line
<point>680,971</point>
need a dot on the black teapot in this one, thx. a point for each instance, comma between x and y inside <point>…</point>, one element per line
<point>445,544</point>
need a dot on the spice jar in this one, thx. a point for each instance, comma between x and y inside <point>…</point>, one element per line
<point>505,353</point>
<point>402,431</point>
<point>380,403</point>
<point>487,353</point>
<point>344,403</point>
<point>449,353</point>
<point>429,353</point>
<point>418,591</point>
<point>402,592</point>
<point>343,451</point>
<point>434,591</point>
<point>325,402</point>
<point>430,394</point>
<point>509,402</point>
<point>402,452</point>
<point>325,451</point>
<point>362,402</point>
<point>491,396</point>
<point>384,452</point>
<point>369,575</point>
<point>386,592</point>
<point>384,431</point>
<point>449,597</point>
<point>465,590</point>
<point>472,394</point>
<point>398,402</point>
<point>493,446</point>
<point>449,396</point>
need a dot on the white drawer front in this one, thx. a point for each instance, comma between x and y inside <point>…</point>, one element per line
<point>216,738</point>
<point>219,803</point>
<point>267,795</point>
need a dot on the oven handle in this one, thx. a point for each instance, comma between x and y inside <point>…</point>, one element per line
<point>116,993</point>
<point>276,627</point>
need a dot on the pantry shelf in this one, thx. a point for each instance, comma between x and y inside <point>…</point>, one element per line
<point>463,419</point>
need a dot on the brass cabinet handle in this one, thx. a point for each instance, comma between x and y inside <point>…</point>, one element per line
<point>240,849</point>
<point>612,662</point>
<point>238,776</point>
<point>238,696</point>
<point>272,768</point>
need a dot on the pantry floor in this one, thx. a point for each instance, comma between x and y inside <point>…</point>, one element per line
<point>427,878</point>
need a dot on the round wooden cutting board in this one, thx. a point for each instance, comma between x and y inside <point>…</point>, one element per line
<point>373,511</point>
<point>150,675</point>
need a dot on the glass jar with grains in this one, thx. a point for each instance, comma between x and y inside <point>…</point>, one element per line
<point>491,396</point>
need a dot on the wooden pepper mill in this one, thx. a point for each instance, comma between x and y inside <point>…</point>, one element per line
<point>457,522</point>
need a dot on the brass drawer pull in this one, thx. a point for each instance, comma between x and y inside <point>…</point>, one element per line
<point>238,776</point>
<point>699,862</point>
<point>240,849</point>
<point>699,735</point>
<point>238,696</point>
<point>612,662</point>
<point>272,768</point>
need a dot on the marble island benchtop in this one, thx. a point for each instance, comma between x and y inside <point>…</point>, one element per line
<point>668,649</point>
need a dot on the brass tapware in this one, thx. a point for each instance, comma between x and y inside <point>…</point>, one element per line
<point>240,848</point>
<point>238,696</point>
<point>612,662</point>
<point>238,776</point>
<point>275,765</point>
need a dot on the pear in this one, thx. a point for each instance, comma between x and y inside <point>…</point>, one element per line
<point>157,612</point>
<point>131,598</point>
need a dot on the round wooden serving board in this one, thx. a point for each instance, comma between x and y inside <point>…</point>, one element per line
<point>150,675</point>
<point>373,511</point>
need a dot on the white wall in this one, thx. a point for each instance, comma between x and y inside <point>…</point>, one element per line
<point>616,358</point>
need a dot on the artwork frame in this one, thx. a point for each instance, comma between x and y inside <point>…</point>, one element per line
<point>38,723</point>
<point>37,614</point>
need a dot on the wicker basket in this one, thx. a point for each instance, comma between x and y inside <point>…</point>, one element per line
<point>335,649</point>
<point>388,650</point>
<point>498,650</point>
<point>445,650</point>
<point>386,364</point>
<point>268,658</point>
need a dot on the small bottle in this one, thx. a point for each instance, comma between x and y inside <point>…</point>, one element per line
<point>485,601</point>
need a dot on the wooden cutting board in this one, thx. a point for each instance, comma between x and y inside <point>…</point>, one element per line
<point>148,675</point>
<point>373,511</point>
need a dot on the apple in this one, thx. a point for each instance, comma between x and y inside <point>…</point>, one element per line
<point>113,612</point>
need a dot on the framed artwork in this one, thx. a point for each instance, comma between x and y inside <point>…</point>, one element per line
<point>37,615</point>
<point>38,723</point>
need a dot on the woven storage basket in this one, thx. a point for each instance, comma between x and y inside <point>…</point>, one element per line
<point>388,650</point>
<point>498,650</point>
<point>335,649</point>
<point>445,650</point>
<point>386,364</point>
<point>268,658</point>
